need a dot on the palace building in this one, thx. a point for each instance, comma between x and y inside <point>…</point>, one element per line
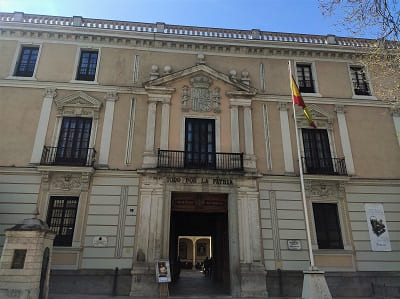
<point>140,142</point>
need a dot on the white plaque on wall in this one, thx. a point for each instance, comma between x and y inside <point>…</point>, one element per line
<point>377,227</point>
<point>294,244</point>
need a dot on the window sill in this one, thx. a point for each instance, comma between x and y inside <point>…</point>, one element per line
<point>84,82</point>
<point>359,97</point>
<point>21,78</point>
<point>67,248</point>
<point>311,94</point>
<point>332,251</point>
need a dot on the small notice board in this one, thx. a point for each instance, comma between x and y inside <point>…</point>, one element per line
<point>163,271</point>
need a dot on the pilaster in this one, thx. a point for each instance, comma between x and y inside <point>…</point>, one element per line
<point>110,98</point>
<point>165,123</point>
<point>395,110</point>
<point>234,127</point>
<point>344,137</point>
<point>286,142</point>
<point>41,131</point>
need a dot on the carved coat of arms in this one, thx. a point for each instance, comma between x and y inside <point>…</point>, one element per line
<point>201,97</point>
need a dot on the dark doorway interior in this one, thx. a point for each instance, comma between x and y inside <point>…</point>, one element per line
<point>200,214</point>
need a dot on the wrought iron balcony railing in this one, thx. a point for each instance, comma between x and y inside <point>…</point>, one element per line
<point>331,166</point>
<point>216,161</point>
<point>68,156</point>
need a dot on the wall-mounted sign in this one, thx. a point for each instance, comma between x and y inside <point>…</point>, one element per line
<point>377,227</point>
<point>294,244</point>
<point>196,180</point>
<point>99,241</point>
<point>163,272</point>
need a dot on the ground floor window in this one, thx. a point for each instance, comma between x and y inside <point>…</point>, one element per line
<point>61,218</point>
<point>327,226</point>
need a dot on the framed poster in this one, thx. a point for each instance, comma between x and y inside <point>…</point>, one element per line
<point>377,227</point>
<point>163,271</point>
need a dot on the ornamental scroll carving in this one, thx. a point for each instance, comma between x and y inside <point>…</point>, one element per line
<point>324,190</point>
<point>200,97</point>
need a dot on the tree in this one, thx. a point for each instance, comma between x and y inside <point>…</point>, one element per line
<point>379,19</point>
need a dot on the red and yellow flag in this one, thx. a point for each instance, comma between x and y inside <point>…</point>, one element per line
<point>298,100</point>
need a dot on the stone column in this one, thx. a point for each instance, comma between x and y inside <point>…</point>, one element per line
<point>149,158</point>
<point>49,95</point>
<point>111,98</point>
<point>148,239</point>
<point>165,124</point>
<point>286,142</point>
<point>234,126</point>
<point>26,259</point>
<point>194,240</point>
<point>344,138</point>
<point>252,269</point>
<point>396,120</point>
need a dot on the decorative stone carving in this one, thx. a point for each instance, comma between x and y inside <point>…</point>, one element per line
<point>66,182</point>
<point>154,72</point>
<point>232,75</point>
<point>111,96</point>
<point>324,189</point>
<point>167,69</point>
<point>282,106</point>
<point>217,99</point>
<point>200,59</point>
<point>395,111</point>
<point>245,78</point>
<point>50,93</point>
<point>340,108</point>
<point>185,98</point>
<point>200,95</point>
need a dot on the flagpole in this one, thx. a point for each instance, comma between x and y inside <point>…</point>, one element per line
<point>303,192</point>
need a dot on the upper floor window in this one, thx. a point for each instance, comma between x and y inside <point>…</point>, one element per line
<point>305,77</point>
<point>317,151</point>
<point>200,143</point>
<point>360,81</point>
<point>61,218</point>
<point>27,61</point>
<point>73,142</point>
<point>87,65</point>
<point>327,226</point>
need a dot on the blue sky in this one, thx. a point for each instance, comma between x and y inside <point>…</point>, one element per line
<point>297,16</point>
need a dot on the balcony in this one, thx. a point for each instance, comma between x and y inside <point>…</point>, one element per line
<point>68,156</point>
<point>169,159</point>
<point>324,166</point>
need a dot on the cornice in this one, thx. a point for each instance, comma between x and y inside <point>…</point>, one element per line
<point>163,42</point>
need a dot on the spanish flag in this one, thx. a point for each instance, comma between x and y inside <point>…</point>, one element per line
<point>298,100</point>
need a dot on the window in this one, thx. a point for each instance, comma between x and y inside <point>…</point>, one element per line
<point>200,143</point>
<point>327,226</point>
<point>360,82</point>
<point>73,143</point>
<point>27,62</point>
<point>305,78</point>
<point>61,218</point>
<point>317,152</point>
<point>87,65</point>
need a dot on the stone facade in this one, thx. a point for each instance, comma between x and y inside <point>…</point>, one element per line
<point>148,84</point>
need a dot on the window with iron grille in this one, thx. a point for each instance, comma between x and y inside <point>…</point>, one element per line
<point>317,151</point>
<point>73,141</point>
<point>360,82</point>
<point>61,218</point>
<point>27,62</point>
<point>305,78</point>
<point>87,65</point>
<point>200,143</point>
<point>327,226</point>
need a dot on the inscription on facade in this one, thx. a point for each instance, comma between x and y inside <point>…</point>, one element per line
<point>194,180</point>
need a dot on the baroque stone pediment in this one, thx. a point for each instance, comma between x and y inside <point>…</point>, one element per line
<point>321,117</point>
<point>78,103</point>
<point>78,99</point>
<point>198,71</point>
